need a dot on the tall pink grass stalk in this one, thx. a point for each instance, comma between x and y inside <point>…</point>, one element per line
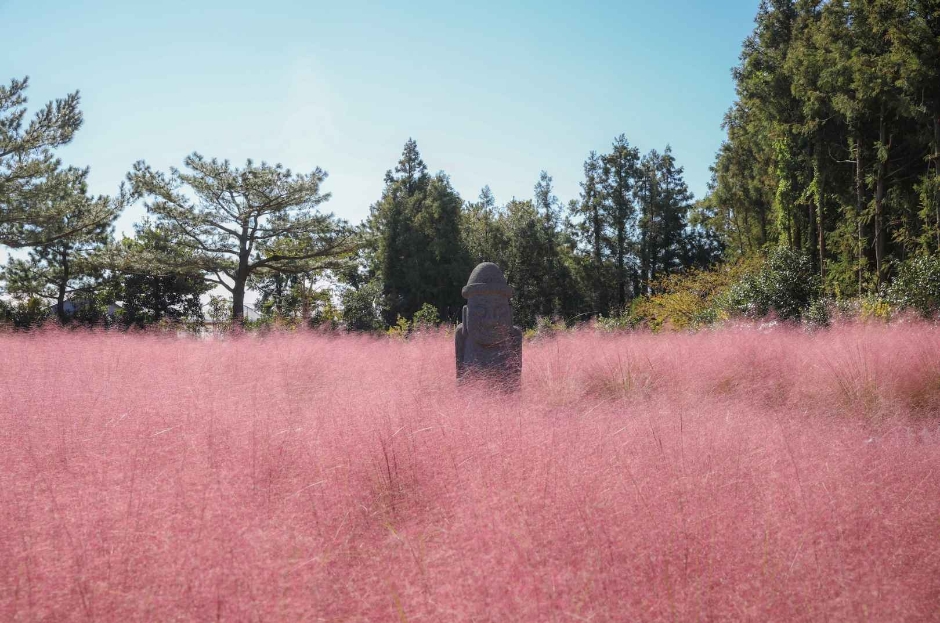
<point>730,475</point>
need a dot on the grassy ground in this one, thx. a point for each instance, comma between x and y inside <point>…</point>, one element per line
<point>740,474</point>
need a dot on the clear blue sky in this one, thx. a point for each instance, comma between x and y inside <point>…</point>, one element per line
<point>493,92</point>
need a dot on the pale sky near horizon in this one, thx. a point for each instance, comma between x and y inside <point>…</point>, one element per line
<point>493,92</point>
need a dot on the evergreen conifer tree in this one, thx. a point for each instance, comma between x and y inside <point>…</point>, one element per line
<point>420,255</point>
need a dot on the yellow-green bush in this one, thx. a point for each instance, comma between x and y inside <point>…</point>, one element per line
<point>688,300</point>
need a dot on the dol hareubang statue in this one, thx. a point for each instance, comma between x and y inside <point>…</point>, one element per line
<point>486,342</point>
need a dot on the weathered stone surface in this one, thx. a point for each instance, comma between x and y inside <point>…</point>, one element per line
<point>487,343</point>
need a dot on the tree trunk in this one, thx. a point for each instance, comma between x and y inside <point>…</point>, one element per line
<point>879,199</point>
<point>747,230</point>
<point>820,227</point>
<point>238,289</point>
<point>797,230</point>
<point>763,227</point>
<point>621,268</point>
<point>241,278</point>
<point>860,211</point>
<point>238,300</point>
<point>278,294</point>
<point>599,305</point>
<point>62,285</point>
<point>159,307</point>
<point>651,241</point>
<point>306,293</point>
<point>935,189</point>
<point>811,210</point>
<point>811,233</point>
<point>644,238</point>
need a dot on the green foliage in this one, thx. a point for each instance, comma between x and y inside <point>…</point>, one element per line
<point>426,317</point>
<point>363,308</point>
<point>24,314</point>
<point>536,261</point>
<point>591,265</point>
<point>817,314</point>
<point>547,327</point>
<point>916,286</point>
<point>622,321</point>
<point>874,307</point>
<point>92,310</point>
<point>664,202</point>
<point>400,329</point>
<point>236,223</point>
<point>290,299</point>
<point>39,202</point>
<point>219,312</point>
<point>784,285</point>
<point>325,317</point>
<point>833,143</point>
<point>65,268</point>
<point>419,254</point>
<point>483,229</point>
<point>619,175</point>
<point>148,298</point>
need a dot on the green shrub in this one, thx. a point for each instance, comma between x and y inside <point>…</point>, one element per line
<point>324,316</point>
<point>617,322</point>
<point>916,286</point>
<point>426,317</point>
<point>362,308</point>
<point>784,285</point>
<point>874,307</point>
<point>27,314</point>
<point>400,329</point>
<point>817,313</point>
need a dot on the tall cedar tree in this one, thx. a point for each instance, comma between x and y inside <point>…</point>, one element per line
<point>522,261</point>
<point>557,280</point>
<point>664,203</point>
<point>593,232</point>
<point>235,222</point>
<point>620,173</point>
<point>420,256</point>
<point>481,230</point>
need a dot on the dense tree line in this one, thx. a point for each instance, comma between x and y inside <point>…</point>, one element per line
<point>833,143</point>
<point>588,257</point>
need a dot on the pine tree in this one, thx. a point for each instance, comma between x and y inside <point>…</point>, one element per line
<point>234,223</point>
<point>32,180</point>
<point>64,267</point>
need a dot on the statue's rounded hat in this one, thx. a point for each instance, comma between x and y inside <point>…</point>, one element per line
<point>486,278</point>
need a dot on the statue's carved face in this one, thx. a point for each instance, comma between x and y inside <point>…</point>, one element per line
<point>488,318</point>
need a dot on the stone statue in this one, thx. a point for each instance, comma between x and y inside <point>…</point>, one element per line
<point>486,342</point>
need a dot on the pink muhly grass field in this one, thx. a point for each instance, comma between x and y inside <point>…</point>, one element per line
<point>739,474</point>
